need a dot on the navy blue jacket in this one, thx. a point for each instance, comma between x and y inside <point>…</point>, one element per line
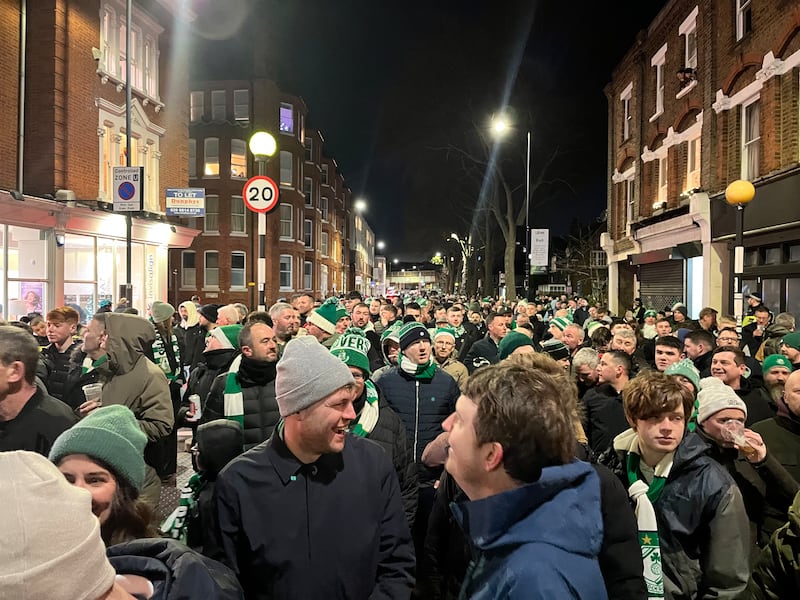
<point>538,541</point>
<point>333,529</point>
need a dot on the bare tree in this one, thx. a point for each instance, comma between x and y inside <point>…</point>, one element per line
<point>583,262</point>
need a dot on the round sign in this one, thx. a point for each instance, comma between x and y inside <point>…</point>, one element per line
<point>126,190</point>
<point>260,194</point>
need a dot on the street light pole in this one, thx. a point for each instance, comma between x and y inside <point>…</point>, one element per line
<point>262,146</point>
<point>528,248</point>
<point>739,193</point>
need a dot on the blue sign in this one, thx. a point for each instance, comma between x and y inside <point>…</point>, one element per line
<point>186,202</point>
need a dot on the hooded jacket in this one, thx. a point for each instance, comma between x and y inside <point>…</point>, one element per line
<point>702,524</point>
<point>538,541</point>
<point>777,574</point>
<point>202,376</point>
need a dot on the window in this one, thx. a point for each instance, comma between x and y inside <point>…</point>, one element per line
<point>238,159</point>
<point>690,59</point>
<point>658,62</point>
<point>286,168</point>
<point>663,183</point>
<point>211,272</point>
<point>308,233</point>
<point>211,220</point>
<point>211,157</point>
<point>188,271</point>
<point>751,140</point>
<point>625,97</point>
<point>241,105</point>
<point>286,222</point>
<point>285,272</point>
<point>324,175</point>
<point>309,146</point>
<point>744,18</point>
<point>308,269</point>
<point>192,158</point>
<point>323,279</point>
<point>143,50</point>
<point>693,164</point>
<point>218,105</point>
<point>323,206</point>
<point>286,118</point>
<point>630,200</point>
<point>323,246</point>
<point>196,107</point>
<point>237,215</point>
<point>308,191</point>
<point>237,270</point>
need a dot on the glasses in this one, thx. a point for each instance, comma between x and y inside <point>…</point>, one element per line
<point>727,340</point>
<point>357,376</point>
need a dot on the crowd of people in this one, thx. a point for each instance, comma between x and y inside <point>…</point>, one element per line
<point>424,446</point>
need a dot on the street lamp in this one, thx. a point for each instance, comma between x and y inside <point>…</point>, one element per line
<point>500,128</point>
<point>739,193</point>
<point>360,205</point>
<point>262,146</point>
<point>381,245</point>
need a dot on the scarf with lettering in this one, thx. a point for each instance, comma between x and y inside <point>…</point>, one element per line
<point>644,495</point>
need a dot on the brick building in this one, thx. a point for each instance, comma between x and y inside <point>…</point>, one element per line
<point>64,118</point>
<point>708,94</point>
<point>306,234</point>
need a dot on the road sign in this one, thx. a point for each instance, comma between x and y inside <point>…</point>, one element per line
<point>260,194</point>
<point>186,202</point>
<point>128,192</point>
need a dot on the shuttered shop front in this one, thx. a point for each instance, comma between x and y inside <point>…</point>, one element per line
<point>661,284</point>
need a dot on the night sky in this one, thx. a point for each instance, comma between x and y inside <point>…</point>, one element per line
<point>391,85</point>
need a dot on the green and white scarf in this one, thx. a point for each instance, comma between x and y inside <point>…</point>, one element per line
<point>369,413</point>
<point>90,365</point>
<point>425,371</point>
<point>162,360</point>
<point>175,525</point>
<point>233,400</point>
<point>644,495</point>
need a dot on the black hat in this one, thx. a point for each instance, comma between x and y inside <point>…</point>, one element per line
<point>209,312</point>
<point>754,296</point>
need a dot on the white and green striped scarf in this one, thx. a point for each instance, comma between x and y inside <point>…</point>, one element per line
<point>233,400</point>
<point>162,360</point>
<point>369,414</point>
<point>425,371</point>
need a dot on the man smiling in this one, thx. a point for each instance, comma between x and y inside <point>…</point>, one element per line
<point>315,512</point>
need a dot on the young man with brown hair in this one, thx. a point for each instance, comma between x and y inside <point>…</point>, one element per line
<point>693,527</point>
<point>62,329</point>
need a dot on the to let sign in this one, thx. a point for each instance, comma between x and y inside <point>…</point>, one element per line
<point>128,194</point>
<point>186,202</point>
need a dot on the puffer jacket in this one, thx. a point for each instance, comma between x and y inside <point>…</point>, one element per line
<point>777,574</point>
<point>702,524</point>
<point>56,368</point>
<point>202,376</point>
<point>422,404</point>
<point>261,412</point>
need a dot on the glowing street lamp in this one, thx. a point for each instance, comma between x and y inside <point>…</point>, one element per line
<point>263,146</point>
<point>381,245</point>
<point>360,206</point>
<point>739,193</point>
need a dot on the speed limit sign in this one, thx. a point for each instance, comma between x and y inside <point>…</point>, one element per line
<point>260,194</point>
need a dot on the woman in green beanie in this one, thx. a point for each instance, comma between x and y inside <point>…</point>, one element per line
<point>103,453</point>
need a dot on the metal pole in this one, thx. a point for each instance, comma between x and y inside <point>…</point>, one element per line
<point>262,246</point>
<point>738,268</point>
<point>527,221</point>
<point>128,100</point>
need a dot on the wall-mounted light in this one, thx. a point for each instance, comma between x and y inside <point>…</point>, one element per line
<point>61,239</point>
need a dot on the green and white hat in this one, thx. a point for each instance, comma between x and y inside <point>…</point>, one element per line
<point>325,316</point>
<point>352,348</point>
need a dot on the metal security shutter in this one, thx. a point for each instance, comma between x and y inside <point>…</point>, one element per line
<point>661,283</point>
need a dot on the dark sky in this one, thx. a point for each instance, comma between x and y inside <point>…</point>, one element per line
<point>391,84</point>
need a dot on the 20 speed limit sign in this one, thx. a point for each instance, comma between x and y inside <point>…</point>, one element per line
<point>260,194</point>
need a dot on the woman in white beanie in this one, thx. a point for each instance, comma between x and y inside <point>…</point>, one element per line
<point>103,453</point>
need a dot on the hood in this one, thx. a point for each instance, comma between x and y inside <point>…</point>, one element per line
<point>532,513</point>
<point>692,446</point>
<point>130,338</point>
<point>218,442</point>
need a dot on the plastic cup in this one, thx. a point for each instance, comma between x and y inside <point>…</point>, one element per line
<point>733,431</point>
<point>93,392</point>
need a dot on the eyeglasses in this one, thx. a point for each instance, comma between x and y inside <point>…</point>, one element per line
<point>357,376</point>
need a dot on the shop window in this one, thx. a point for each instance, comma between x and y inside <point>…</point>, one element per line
<point>238,270</point>
<point>793,295</point>
<point>211,271</point>
<point>188,271</point>
<point>773,256</point>
<point>238,213</point>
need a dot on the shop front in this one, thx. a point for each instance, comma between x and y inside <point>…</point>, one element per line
<point>55,253</point>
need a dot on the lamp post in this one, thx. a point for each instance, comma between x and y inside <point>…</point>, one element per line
<point>739,193</point>
<point>466,252</point>
<point>500,128</point>
<point>262,146</point>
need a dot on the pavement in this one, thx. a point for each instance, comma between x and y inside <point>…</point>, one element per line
<point>171,493</point>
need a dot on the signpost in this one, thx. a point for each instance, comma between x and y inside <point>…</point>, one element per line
<point>260,194</point>
<point>186,202</point>
<point>128,193</point>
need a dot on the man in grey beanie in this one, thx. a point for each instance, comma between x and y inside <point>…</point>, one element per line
<point>312,498</point>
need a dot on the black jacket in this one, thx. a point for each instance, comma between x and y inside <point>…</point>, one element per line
<point>202,377</point>
<point>465,341</point>
<point>390,434</point>
<point>192,343</point>
<point>604,417</point>
<point>332,529</point>
<point>175,571</point>
<point>57,368</point>
<point>482,352</point>
<point>261,412</point>
<point>38,424</point>
<point>757,399</point>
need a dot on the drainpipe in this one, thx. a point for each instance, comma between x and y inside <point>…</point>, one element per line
<point>23,26</point>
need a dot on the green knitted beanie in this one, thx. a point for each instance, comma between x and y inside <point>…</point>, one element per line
<point>110,434</point>
<point>352,347</point>
<point>510,342</point>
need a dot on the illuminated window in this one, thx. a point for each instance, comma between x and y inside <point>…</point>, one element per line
<point>286,118</point>
<point>211,157</point>
<point>196,106</point>
<point>238,159</point>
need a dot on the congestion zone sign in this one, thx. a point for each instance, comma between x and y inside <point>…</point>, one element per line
<point>260,194</point>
